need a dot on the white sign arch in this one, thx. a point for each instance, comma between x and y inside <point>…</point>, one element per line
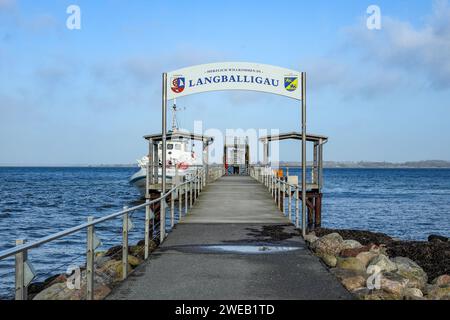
<point>233,76</point>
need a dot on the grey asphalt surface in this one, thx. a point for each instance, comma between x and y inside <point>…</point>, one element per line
<point>202,257</point>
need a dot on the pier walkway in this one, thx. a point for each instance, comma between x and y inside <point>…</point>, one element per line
<point>234,244</point>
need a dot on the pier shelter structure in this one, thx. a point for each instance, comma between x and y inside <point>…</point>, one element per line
<point>315,183</point>
<point>236,155</point>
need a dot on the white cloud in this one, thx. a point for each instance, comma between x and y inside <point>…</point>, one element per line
<point>400,55</point>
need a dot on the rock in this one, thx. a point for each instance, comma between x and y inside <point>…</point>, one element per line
<point>393,283</point>
<point>310,238</point>
<point>365,257</point>
<point>134,261</point>
<point>100,254</point>
<point>355,251</point>
<point>350,264</point>
<point>381,295</point>
<point>442,280</point>
<point>60,291</point>
<point>329,244</point>
<point>361,293</point>
<point>412,271</point>
<point>114,252</point>
<point>137,251</point>
<point>412,293</point>
<point>383,263</point>
<point>381,249</point>
<point>350,244</point>
<point>113,270</point>
<point>329,259</point>
<point>439,293</point>
<point>354,283</point>
<point>346,273</point>
<point>100,261</point>
<point>435,237</point>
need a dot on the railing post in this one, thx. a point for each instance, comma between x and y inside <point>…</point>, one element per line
<point>172,209</point>
<point>279,195</point>
<point>191,199</point>
<point>290,204</point>
<point>21,257</point>
<point>162,219</point>
<point>125,245</point>
<point>186,198</point>
<point>297,220</point>
<point>147,230</point>
<point>90,261</point>
<point>180,203</point>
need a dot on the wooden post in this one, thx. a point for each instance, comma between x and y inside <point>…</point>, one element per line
<point>318,211</point>
<point>310,214</point>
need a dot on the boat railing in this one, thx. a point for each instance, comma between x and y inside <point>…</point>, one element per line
<point>190,188</point>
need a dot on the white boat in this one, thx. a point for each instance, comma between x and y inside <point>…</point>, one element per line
<point>180,160</point>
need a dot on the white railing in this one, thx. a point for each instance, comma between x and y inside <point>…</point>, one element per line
<point>278,189</point>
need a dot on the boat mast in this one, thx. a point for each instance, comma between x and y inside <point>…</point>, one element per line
<point>174,116</point>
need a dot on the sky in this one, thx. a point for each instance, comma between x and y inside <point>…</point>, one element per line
<point>88,96</point>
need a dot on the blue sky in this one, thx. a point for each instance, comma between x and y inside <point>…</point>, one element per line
<point>88,96</point>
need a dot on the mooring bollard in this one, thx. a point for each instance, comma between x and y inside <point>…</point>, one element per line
<point>21,257</point>
<point>125,244</point>
<point>90,261</point>
<point>147,230</point>
<point>172,209</point>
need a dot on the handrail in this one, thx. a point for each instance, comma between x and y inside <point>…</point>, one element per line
<point>20,248</point>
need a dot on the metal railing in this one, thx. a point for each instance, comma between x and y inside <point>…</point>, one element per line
<point>191,188</point>
<point>278,189</point>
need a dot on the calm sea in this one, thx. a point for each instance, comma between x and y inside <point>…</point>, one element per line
<point>34,202</point>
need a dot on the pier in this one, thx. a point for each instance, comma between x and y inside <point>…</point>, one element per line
<point>218,233</point>
<point>234,244</point>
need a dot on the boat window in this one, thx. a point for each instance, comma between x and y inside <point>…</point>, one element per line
<point>169,146</point>
<point>177,147</point>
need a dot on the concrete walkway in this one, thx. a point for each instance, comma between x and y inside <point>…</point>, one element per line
<point>234,244</point>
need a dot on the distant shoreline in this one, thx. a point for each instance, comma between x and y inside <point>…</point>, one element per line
<point>426,164</point>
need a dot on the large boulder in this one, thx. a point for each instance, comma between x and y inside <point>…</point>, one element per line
<point>365,257</point>
<point>353,252</point>
<point>439,293</point>
<point>383,263</point>
<point>412,293</point>
<point>329,244</point>
<point>330,260</point>
<point>134,261</point>
<point>354,283</point>
<point>310,238</point>
<point>350,244</point>
<point>412,271</point>
<point>113,270</point>
<point>350,264</point>
<point>380,295</point>
<point>442,280</point>
<point>393,283</point>
<point>59,291</point>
